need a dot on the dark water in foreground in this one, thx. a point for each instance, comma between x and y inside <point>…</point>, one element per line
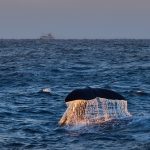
<point>29,118</point>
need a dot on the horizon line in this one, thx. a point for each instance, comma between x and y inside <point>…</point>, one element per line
<point>75,39</point>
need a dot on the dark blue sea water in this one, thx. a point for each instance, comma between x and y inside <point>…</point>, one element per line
<point>29,118</point>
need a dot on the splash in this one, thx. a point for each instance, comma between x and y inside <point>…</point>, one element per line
<point>96,111</point>
<point>46,90</point>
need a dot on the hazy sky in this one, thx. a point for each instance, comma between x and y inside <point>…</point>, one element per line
<point>75,18</point>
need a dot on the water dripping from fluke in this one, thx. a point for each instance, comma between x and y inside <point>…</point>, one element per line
<point>95,111</point>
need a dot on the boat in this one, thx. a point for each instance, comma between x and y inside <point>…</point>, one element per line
<point>48,36</point>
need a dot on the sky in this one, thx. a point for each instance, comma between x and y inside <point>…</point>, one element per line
<point>75,19</point>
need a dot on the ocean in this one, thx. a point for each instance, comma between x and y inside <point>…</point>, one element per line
<point>36,76</point>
